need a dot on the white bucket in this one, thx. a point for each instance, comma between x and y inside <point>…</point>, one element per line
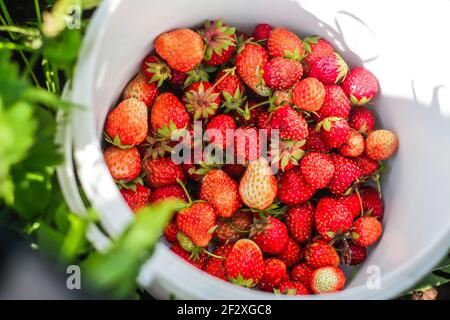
<point>402,42</point>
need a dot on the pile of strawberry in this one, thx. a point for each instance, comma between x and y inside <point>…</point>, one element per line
<point>286,232</point>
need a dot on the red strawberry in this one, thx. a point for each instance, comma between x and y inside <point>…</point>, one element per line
<point>221,192</point>
<point>302,273</point>
<point>320,254</point>
<point>263,121</point>
<point>345,173</point>
<point>361,119</point>
<point>123,164</point>
<point>136,199</point>
<point>178,78</point>
<point>140,89</point>
<point>283,43</point>
<point>317,169</point>
<point>234,229</point>
<point>332,217</point>
<point>354,147</point>
<point>327,280</point>
<point>291,124</point>
<point>308,94</point>
<point>270,234</point>
<point>294,189</point>
<point>360,86</point>
<point>220,130</point>
<point>231,89</point>
<point>300,221</point>
<point>381,144</point>
<point>352,203</point>
<point>366,231</point>
<point>316,48</point>
<point>353,254</point>
<point>173,191</point>
<point>258,187</point>
<point>201,100</point>
<point>372,203</point>
<point>244,118</point>
<point>220,42</point>
<point>335,130</point>
<point>167,114</point>
<point>262,31</point>
<point>244,265</point>
<point>246,144</point>
<point>316,141</point>
<point>196,223</point>
<point>329,69</point>
<point>367,165</point>
<point>335,103</point>
<point>250,63</point>
<point>155,70</point>
<point>292,254</point>
<point>181,48</point>
<point>170,232</point>
<point>282,73</point>
<point>215,266</point>
<point>274,273</point>
<point>198,262</point>
<point>235,171</point>
<point>127,124</point>
<point>161,172</point>
<point>292,288</point>
<point>287,154</point>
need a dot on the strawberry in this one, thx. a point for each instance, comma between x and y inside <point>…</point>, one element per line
<point>262,31</point>
<point>201,100</point>
<point>231,89</point>
<point>360,86</point>
<point>330,69</point>
<point>181,48</point>
<point>155,70</point>
<point>317,169</point>
<point>352,203</point>
<point>235,171</point>
<point>283,43</point>
<point>361,119</point>
<point>127,124</point>
<point>282,73</point>
<point>270,234</point>
<point>331,218</point>
<point>354,146</point>
<point>316,141</point>
<point>220,130</point>
<point>320,254</point>
<point>244,265</point>
<point>300,221</point>
<point>282,98</point>
<point>366,231</point>
<point>302,273</point>
<point>250,63</point>
<point>161,172</point>
<point>291,124</point>
<point>327,280</point>
<point>335,130</point>
<point>138,198</point>
<point>168,114</point>
<point>170,232</point>
<point>287,154</point>
<point>220,42</point>
<point>263,121</point>
<point>308,94</point>
<point>215,266</point>
<point>335,103</point>
<point>140,89</point>
<point>258,187</point>
<point>243,117</point>
<point>196,223</point>
<point>246,144</point>
<point>234,229</point>
<point>198,262</point>
<point>178,78</point>
<point>381,144</point>
<point>367,165</point>
<point>274,273</point>
<point>221,192</point>
<point>372,203</point>
<point>292,254</point>
<point>292,288</point>
<point>345,173</point>
<point>173,191</point>
<point>123,164</point>
<point>353,254</point>
<point>316,48</point>
<point>294,189</point>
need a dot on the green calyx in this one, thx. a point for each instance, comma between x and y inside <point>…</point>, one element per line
<point>201,103</point>
<point>116,142</point>
<point>360,102</point>
<point>289,151</point>
<point>218,38</point>
<point>294,55</point>
<point>161,72</point>
<point>233,102</point>
<point>201,73</point>
<point>342,67</point>
<point>130,184</point>
<point>241,281</point>
<point>171,131</point>
<point>327,123</point>
<point>156,148</point>
<point>308,41</point>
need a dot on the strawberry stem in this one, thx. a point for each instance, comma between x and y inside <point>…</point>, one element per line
<point>360,201</point>
<point>185,190</point>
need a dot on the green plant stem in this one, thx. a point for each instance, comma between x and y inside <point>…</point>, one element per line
<point>37,8</point>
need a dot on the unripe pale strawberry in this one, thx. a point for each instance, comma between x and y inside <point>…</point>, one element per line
<point>381,144</point>
<point>327,280</point>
